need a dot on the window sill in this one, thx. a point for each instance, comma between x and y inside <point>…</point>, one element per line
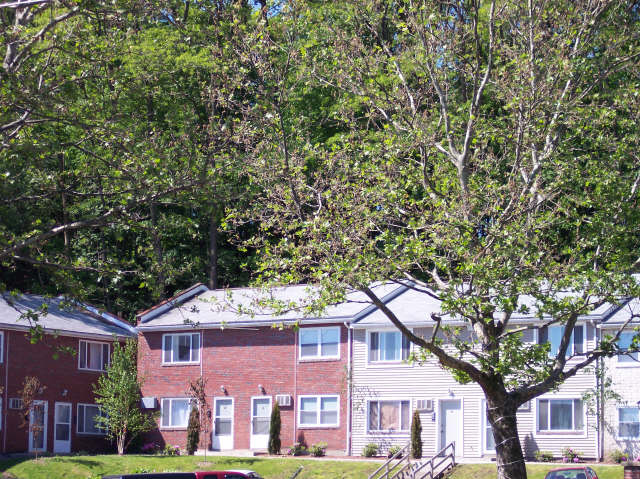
<point>628,365</point>
<point>388,433</point>
<point>180,364</point>
<point>629,439</point>
<point>561,434</point>
<point>85,370</point>
<point>335,426</point>
<point>91,434</point>
<point>173,428</point>
<point>318,360</point>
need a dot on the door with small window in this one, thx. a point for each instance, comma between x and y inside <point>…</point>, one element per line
<point>62,428</point>
<point>260,418</point>
<point>223,424</point>
<point>38,427</point>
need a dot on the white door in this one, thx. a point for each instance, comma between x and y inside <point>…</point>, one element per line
<point>260,419</point>
<point>62,428</point>
<point>450,422</point>
<point>38,427</point>
<point>223,424</point>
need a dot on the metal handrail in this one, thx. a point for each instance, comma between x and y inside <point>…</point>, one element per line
<point>404,452</point>
<point>440,458</point>
<point>444,457</point>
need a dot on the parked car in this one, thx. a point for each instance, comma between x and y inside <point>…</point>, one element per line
<point>235,474</point>
<point>574,472</point>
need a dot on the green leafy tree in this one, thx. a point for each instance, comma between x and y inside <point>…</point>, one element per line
<point>193,431</point>
<point>484,156</point>
<point>118,396</point>
<point>274,430</point>
<point>416,436</point>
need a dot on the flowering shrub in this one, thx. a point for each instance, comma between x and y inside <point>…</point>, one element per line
<point>170,450</point>
<point>618,456</point>
<point>297,449</point>
<point>570,455</point>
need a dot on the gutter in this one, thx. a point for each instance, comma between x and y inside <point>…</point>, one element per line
<point>73,334</point>
<point>6,397</point>
<point>243,324</point>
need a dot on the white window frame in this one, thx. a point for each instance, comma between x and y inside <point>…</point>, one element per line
<point>172,362</point>
<point>1,347</point>
<point>631,359</point>
<point>84,420</point>
<point>561,432</point>
<point>399,431</point>
<point>318,354</point>
<point>571,348</point>
<point>318,398</point>
<point>173,426</point>
<point>85,343</point>
<point>485,426</point>
<point>627,438</point>
<point>401,361</point>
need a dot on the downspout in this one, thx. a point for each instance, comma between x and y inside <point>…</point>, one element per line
<point>295,385</point>
<point>349,385</point>
<point>599,400</point>
<point>6,394</point>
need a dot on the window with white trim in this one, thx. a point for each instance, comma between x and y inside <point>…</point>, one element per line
<point>93,356</point>
<point>628,423</point>
<point>389,416</point>
<point>181,348</point>
<point>318,411</point>
<point>488,443</point>
<point>1,346</point>
<point>553,335</point>
<point>560,415</point>
<point>175,412</point>
<point>624,342</point>
<point>319,343</point>
<point>87,420</point>
<point>388,346</point>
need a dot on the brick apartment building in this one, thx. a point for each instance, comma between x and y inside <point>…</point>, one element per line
<point>64,408</point>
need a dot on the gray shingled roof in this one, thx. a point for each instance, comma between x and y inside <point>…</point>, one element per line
<point>62,316</point>
<point>246,306</point>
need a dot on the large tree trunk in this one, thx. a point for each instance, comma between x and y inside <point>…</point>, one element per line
<point>501,413</point>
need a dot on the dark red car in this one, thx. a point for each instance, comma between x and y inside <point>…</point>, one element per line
<point>572,472</point>
<point>235,474</point>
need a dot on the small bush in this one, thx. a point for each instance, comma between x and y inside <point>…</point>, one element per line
<point>393,450</point>
<point>570,455</point>
<point>297,449</point>
<point>150,448</point>
<point>170,450</point>
<point>618,456</point>
<point>274,430</point>
<point>544,456</point>
<point>318,450</point>
<point>193,431</point>
<point>370,450</point>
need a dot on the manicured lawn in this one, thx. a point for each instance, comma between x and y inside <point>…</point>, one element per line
<point>534,471</point>
<point>83,467</point>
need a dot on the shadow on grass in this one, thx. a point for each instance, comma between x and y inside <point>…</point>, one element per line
<point>6,463</point>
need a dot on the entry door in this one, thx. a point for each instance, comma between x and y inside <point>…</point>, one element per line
<point>38,427</point>
<point>223,424</point>
<point>450,422</point>
<point>62,428</point>
<point>260,419</point>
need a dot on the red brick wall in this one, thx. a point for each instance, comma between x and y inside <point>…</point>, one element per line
<point>21,359</point>
<point>240,360</point>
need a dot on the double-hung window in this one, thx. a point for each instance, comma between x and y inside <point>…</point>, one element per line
<point>93,356</point>
<point>628,423</point>
<point>624,343</point>
<point>489,443</point>
<point>87,423</point>
<point>318,411</point>
<point>388,346</point>
<point>553,335</point>
<point>181,348</point>
<point>389,416</point>
<point>562,415</point>
<point>320,343</point>
<point>175,412</point>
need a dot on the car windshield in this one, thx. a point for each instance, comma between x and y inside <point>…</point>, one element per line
<point>577,473</point>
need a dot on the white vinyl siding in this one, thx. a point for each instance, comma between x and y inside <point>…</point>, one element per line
<point>175,412</point>
<point>93,356</point>
<point>318,411</point>
<point>319,343</point>
<point>86,423</point>
<point>181,348</point>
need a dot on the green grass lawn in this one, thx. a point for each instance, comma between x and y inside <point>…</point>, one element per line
<point>83,467</point>
<point>534,471</point>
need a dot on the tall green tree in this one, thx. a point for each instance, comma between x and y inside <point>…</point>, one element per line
<point>118,396</point>
<point>483,156</point>
<point>274,430</point>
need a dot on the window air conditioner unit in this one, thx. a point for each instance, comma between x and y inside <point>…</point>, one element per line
<point>283,399</point>
<point>425,405</point>
<point>148,403</point>
<point>15,403</point>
